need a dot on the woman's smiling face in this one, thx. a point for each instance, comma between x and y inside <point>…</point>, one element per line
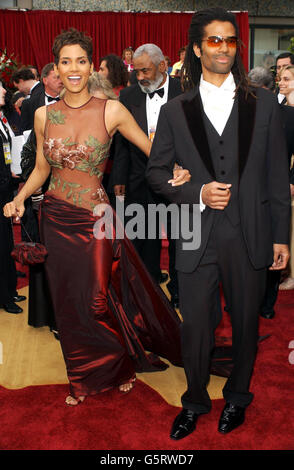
<point>286,83</point>
<point>74,68</point>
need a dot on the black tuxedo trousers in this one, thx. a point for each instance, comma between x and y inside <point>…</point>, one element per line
<point>225,260</point>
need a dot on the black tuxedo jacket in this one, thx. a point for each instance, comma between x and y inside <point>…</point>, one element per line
<point>29,107</point>
<point>130,162</point>
<point>264,196</point>
<point>288,121</point>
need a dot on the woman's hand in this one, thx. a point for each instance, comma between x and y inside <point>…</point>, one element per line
<point>181,176</point>
<point>14,208</point>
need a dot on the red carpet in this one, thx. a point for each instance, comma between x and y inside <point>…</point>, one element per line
<point>37,418</point>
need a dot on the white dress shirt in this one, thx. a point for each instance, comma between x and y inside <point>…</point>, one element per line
<point>217,104</point>
<point>218,101</point>
<point>153,106</point>
<point>280,98</point>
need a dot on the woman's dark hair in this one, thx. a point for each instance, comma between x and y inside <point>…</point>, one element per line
<point>71,37</point>
<point>191,71</point>
<point>7,108</point>
<point>117,72</point>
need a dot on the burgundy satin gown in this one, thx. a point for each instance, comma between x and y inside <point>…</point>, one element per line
<point>108,310</point>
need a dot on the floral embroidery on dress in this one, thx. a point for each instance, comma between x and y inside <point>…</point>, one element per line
<point>73,189</point>
<point>56,117</point>
<point>85,158</point>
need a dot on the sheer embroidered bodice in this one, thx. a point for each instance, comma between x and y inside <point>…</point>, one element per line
<point>76,145</point>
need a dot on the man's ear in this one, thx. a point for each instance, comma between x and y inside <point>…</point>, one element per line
<point>161,66</point>
<point>197,51</point>
<point>55,70</point>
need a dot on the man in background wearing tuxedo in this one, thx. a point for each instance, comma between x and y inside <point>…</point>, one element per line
<point>144,100</point>
<point>283,59</point>
<point>229,135</point>
<point>47,93</point>
<point>41,311</point>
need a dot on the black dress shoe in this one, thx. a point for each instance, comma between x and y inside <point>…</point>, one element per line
<point>268,315</point>
<point>163,277</point>
<point>184,424</point>
<point>55,333</point>
<point>11,307</point>
<point>175,301</point>
<point>231,417</point>
<point>19,298</point>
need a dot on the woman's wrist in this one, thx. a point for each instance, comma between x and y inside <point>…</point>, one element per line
<point>19,199</point>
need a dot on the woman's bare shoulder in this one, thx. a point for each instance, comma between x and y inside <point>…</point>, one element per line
<point>40,118</point>
<point>114,106</point>
<point>40,114</point>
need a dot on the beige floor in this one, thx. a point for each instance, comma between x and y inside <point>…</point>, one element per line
<point>32,356</point>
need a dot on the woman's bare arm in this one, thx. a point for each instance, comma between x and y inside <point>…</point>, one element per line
<point>118,118</point>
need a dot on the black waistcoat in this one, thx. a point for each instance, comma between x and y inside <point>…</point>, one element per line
<point>224,154</point>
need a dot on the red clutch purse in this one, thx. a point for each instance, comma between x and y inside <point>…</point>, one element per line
<point>29,252</point>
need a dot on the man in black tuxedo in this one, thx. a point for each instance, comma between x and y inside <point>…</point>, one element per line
<point>143,100</point>
<point>263,77</point>
<point>230,137</point>
<point>41,311</point>
<point>45,94</point>
<point>24,80</point>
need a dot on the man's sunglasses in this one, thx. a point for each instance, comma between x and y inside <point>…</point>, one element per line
<point>216,41</point>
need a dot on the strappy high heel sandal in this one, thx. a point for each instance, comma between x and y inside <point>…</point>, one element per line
<point>71,401</point>
<point>129,386</point>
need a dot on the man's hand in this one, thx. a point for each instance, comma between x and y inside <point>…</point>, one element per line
<point>292,189</point>
<point>119,189</point>
<point>18,103</point>
<point>216,195</point>
<point>281,257</point>
<point>180,176</point>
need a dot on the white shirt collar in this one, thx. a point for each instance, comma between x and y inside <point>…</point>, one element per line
<point>218,101</point>
<point>164,86</point>
<point>227,85</point>
<point>34,87</point>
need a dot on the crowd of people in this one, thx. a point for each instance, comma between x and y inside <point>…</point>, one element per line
<point>140,131</point>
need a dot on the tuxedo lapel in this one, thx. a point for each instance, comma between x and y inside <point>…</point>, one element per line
<point>193,111</point>
<point>42,100</point>
<point>138,109</point>
<point>174,88</point>
<point>247,111</point>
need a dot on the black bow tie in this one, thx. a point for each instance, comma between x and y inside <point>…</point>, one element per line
<point>50,98</point>
<point>160,92</point>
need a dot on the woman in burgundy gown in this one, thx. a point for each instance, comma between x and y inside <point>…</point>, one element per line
<point>108,310</point>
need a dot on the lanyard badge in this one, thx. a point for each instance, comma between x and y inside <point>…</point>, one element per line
<point>7,153</point>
